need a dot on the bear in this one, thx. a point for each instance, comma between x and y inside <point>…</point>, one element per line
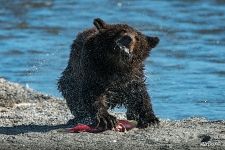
<point>105,70</point>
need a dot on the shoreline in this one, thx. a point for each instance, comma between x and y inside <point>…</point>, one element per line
<point>32,120</point>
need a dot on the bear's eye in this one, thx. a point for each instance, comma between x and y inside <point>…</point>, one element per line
<point>123,31</point>
<point>137,39</point>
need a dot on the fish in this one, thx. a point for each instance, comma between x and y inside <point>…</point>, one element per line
<point>122,126</point>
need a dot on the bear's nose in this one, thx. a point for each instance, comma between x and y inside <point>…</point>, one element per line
<point>125,40</point>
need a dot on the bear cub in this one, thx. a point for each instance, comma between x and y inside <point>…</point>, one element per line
<point>105,70</point>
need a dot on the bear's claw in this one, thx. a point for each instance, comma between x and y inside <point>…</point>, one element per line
<point>149,121</point>
<point>106,120</point>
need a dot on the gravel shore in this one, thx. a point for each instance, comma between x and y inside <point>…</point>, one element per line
<point>32,120</point>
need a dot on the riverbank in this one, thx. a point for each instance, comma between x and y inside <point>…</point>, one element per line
<point>32,120</point>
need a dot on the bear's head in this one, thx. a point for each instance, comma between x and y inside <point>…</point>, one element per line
<point>120,44</point>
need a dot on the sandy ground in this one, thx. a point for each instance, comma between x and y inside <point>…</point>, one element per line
<point>31,120</point>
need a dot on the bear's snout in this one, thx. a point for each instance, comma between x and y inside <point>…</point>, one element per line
<point>125,40</point>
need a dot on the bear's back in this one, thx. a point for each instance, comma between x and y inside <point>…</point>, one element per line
<point>71,80</point>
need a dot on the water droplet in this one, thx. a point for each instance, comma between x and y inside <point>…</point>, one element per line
<point>27,86</point>
<point>119,4</point>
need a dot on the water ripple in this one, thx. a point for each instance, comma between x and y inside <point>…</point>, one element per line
<point>185,69</point>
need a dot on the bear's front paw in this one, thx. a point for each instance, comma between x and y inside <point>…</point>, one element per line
<point>105,120</point>
<point>148,121</point>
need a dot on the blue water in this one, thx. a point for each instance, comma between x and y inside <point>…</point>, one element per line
<point>185,73</point>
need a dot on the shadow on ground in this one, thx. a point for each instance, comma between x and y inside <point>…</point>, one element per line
<point>30,128</point>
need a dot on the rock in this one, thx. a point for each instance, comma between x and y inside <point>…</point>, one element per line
<point>204,137</point>
<point>13,93</point>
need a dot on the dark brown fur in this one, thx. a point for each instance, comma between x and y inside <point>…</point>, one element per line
<point>105,70</point>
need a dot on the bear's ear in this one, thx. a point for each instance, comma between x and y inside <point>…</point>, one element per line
<point>99,23</point>
<point>152,41</point>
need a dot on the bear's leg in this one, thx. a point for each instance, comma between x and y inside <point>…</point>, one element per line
<point>132,113</point>
<point>140,109</point>
<point>81,116</point>
<point>146,115</point>
<point>104,119</point>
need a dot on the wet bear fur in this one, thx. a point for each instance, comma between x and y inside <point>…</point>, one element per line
<point>105,70</point>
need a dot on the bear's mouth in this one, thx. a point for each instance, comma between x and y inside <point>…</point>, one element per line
<point>123,46</point>
<point>124,52</point>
